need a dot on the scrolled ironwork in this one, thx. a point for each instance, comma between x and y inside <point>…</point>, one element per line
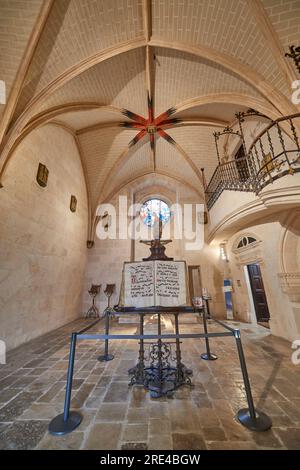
<point>241,115</point>
<point>295,55</point>
<point>226,131</point>
<point>274,153</point>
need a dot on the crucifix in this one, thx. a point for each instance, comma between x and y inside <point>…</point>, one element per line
<point>157,245</point>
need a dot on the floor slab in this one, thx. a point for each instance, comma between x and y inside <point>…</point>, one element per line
<point>117,416</point>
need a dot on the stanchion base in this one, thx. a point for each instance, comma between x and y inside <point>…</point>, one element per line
<point>209,357</point>
<point>262,422</point>
<point>106,357</point>
<point>59,427</point>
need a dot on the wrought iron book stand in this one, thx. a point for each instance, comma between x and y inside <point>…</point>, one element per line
<point>249,416</point>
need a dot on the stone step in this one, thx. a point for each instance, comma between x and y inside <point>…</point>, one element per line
<point>185,318</point>
<point>128,319</point>
<point>188,318</point>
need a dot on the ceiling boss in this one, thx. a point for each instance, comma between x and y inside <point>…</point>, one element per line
<point>151,126</point>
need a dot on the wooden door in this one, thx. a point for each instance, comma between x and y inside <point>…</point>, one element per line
<point>241,164</point>
<point>258,293</point>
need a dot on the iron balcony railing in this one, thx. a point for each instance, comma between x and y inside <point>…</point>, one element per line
<point>274,153</point>
<point>233,175</point>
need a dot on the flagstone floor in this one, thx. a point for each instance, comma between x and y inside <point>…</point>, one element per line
<point>116,416</point>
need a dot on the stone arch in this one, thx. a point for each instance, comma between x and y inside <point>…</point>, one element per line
<point>289,259</point>
<point>245,242</point>
<point>289,246</point>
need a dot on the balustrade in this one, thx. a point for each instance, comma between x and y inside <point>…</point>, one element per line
<point>274,153</point>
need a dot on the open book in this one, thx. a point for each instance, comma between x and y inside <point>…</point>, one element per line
<point>154,283</point>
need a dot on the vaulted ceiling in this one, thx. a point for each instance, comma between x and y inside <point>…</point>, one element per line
<point>142,84</point>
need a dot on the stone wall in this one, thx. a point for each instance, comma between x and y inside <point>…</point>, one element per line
<point>106,258</point>
<point>270,251</point>
<point>42,243</point>
<point>272,217</point>
<point>104,265</point>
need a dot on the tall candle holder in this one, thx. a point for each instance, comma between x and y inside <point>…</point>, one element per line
<point>109,290</point>
<point>93,311</point>
<point>108,312</point>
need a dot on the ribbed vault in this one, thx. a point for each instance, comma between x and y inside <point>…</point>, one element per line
<point>142,85</point>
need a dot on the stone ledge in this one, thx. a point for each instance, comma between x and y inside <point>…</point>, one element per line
<point>290,285</point>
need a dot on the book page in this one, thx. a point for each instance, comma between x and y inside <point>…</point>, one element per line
<point>139,284</point>
<point>170,283</point>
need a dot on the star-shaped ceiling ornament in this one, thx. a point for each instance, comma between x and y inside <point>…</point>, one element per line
<point>150,127</point>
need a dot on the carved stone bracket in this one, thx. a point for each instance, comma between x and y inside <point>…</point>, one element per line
<point>251,254</point>
<point>290,285</point>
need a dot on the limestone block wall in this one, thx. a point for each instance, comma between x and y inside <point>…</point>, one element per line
<point>105,262</point>
<point>284,309</point>
<point>106,258</point>
<point>207,258</point>
<point>266,217</point>
<point>104,266</point>
<point>42,243</point>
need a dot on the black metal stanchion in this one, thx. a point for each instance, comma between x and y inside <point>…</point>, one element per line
<point>160,380</point>
<point>106,356</point>
<point>179,365</point>
<point>138,371</point>
<point>252,419</point>
<point>68,420</point>
<point>208,356</point>
<point>182,371</point>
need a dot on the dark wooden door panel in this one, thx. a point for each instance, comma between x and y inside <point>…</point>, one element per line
<point>258,292</point>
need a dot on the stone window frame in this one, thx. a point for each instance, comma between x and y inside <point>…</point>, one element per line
<point>249,244</point>
<point>157,197</point>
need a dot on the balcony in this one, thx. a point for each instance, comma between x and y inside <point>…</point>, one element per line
<point>274,153</point>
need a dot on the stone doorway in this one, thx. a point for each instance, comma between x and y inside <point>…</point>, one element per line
<point>258,294</point>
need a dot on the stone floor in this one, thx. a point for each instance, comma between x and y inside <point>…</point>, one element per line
<point>119,417</point>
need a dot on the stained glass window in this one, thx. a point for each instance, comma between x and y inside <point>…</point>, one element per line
<point>154,210</point>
